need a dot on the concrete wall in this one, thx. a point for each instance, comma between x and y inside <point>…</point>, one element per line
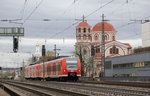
<point>146,34</point>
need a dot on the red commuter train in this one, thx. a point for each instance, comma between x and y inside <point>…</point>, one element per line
<point>68,68</point>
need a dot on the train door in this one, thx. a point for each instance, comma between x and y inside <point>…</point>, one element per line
<point>45,69</point>
<point>30,71</point>
<point>59,68</point>
<point>51,68</point>
<point>56,69</point>
<point>33,71</point>
<point>40,71</point>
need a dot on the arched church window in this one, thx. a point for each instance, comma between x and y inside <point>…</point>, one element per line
<point>113,38</point>
<point>89,30</point>
<point>84,30</point>
<point>89,37</point>
<point>110,50</point>
<point>97,50</point>
<point>84,51</point>
<point>114,50</point>
<point>79,30</point>
<point>79,37</point>
<point>105,37</point>
<point>96,37</point>
<point>117,51</point>
<point>84,37</point>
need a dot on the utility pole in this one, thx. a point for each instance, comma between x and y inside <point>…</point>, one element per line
<point>92,55</point>
<point>55,50</point>
<point>22,71</point>
<point>103,47</point>
<point>43,54</point>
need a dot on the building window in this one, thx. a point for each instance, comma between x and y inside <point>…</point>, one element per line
<point>89,37</point>
<point>84,37</point>
<point>96,37</point>
<point>117,51</point>
<point>113,38</point>
<point>105,37</point>
<point>110,50</point>
<point>97,50</point>
<point>132,65</point>
<point>84,30</point>
<point>84,51</point>
<point>89,30</point>
<point>114,50</point>
<point>79,37</point>
<point>79,30</point>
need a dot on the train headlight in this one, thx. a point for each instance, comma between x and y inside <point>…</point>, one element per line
<point>78,70</point>
<point>64,70</point>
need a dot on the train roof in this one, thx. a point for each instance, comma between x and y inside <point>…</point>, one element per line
<point>46,61</point>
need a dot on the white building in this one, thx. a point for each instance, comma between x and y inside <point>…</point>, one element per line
<point>86,37</point>
<point>146,34</point>
<point>37,51</point>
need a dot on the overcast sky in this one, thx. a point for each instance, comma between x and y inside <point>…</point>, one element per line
<point>64,15</point>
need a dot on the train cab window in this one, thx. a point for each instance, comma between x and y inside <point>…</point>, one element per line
<point>72,63</point>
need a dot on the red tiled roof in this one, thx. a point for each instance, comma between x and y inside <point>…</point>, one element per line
<point>128,45</point>
<point>107,27</point>
<point>84,24</point>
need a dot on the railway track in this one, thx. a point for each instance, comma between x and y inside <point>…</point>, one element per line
<point>39,90</point>
<point>109,89</point>
<point>94,89</point>
<point>130,84</point>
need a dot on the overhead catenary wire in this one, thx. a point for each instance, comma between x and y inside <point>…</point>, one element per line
<point>23,9</point>
<point>33,11</point>
<point>99,8</point>
<point>85,17</point>
<point>124,3</point>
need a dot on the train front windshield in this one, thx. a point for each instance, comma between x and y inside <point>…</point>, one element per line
<point>72,63</point>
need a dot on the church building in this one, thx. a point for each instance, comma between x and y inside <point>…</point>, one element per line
<point>87,36</point>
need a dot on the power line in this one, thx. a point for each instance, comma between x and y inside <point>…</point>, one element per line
<point>23,9</point>
<point>33,10</point>
<point>73,3</point>
<point>118,7</point>
<point>85,17</point>
<point>65,29</point>
<point>99,8</point>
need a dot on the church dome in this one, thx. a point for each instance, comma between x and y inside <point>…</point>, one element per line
<point>83,24</point>
<point>107,27</point>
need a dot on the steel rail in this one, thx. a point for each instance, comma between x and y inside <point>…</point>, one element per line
<point>71,93</point>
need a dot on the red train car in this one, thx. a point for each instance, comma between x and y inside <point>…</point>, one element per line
<point>64,69</point>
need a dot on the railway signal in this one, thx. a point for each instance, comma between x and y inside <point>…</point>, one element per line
<point>15,44</point>
<point>12,31</point>
<point>43,50</point>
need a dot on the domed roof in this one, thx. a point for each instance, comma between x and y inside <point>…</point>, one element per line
<point>107,27</point>
<point>83,24</point>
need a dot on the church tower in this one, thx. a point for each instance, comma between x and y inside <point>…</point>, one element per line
<point>83,32</point>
